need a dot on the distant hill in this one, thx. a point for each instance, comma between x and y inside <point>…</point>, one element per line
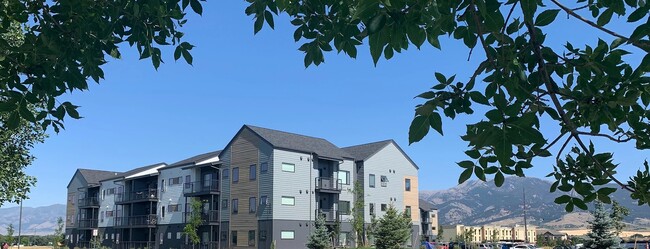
<point>475,202</point>
<point>36,220</point>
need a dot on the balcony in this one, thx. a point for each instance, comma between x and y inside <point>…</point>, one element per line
<point>328,185</point>
<point>87,223</point>
<point>201,188</point>
<point>89,202</point>
<point>208,218</point>
<point>202,245</point>
<point>137,196</point>
<point>149,220</point>
<point>330,215</point>
<point>426,220</point>
<point>135,244</point>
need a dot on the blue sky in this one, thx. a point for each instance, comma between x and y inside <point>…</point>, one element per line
<point>139,116</point>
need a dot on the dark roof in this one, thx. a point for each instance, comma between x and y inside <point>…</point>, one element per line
<point>95,176</point>
<point>297,142</point>
<point>555,233</point>
<point>365,151</point>
<point>426,205</point>
<point>195,159</point>
<point>135,171</point>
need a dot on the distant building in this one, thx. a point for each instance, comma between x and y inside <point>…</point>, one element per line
<point>429,221</point>
<point>488,233</point>
<point>554,235</point>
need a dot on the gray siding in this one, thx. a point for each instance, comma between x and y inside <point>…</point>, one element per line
<point>298,184</point>
<point>171,195</point>
<point>265,210</point>
<point>72,201</point>
<point>107,203</point>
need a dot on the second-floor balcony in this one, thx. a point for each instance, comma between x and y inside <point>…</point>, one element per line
<point>87,223</point>
<point>207,218</point>
<point>137,196</point>
<point>89,202</point>
<point>330,215</point>
<point>201,188</point>
<point>328,185</point>
<point>148,220</point>
<point>426,220</point>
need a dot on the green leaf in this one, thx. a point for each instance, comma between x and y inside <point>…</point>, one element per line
<point>467,173</point>
<point>579,203</point>
<point>177,52</point>
<point>478,171</point>
<point>259,22</point>
<point>440,77</point>
<point>569,207</point>
<point>25,112</point>
<point>419,128</point>
<point>377,23</point>
<point>606,191</point>
<point>436,122</point>
<point>605,17</point>
<point>529,7</point>
<point>475,154</point>
<point>269,19</point>
<point>466,164</point>
<point>6,107</point>
<point>376,46</point>
<point>502,147</point>
<point>187,56</point>
<point>417,35</point>
<point>563,199</point>
<point>546,17</point>
<point>637,14</point>
<point>13,121</point>
<point>196,6</point>
<point>478,97</point>
<point>499,179</point>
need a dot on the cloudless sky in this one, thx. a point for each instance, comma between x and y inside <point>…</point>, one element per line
<point>139,116</point>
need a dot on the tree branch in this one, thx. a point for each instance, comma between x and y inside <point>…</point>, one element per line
<point>505,24</point>
<point>610,137</point>
<point>558,106</point>
<point>559,153</point>
<point>569,11</point>
<point>480,35</point>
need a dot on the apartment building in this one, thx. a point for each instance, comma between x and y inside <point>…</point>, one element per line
<point>429,221</point>
<point>264,187</point>
<point>489,233</point>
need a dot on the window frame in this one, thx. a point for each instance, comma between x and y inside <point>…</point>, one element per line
<point>235,175</point>
<point>252,208</point>
<point>372,181</point>
<point>383,207</point>
<point>292,165</point>
<point>234,206</point>
<point>225,174</point>
<point>293,198</point>
<point>264,168</point>
<point>252,174</point>
<point>407,184</point>
<point>347,211</point>
<point>371,209</point>
<point>283,232</point>
<point>233,238</point>
<point>173,208</point>
<point>175,180</point>
<point>347,177</point>
<point>251,242</point>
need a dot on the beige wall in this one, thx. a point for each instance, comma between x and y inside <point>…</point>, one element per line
<point>411,198</point>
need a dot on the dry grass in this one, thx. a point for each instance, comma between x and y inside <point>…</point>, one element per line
<point>31,247</point>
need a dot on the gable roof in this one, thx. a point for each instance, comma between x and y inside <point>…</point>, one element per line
<point>555,233</point>
<point>93,176</point>
<point>135,171</point>
<point>363,152</point>
<point>426,205</point>
<point>297,142</point>
<point>194,159</point>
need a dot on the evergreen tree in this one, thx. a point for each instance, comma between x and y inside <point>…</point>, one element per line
<point>618,214</point>
<point>319,238</point>
<point>59,233</point>
<point>10,234</point>
<point>602,235</point>
<point>393,229</point>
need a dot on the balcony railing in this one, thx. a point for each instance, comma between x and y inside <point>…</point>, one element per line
<point>87,223</point>
<point>330,215</point>
<point>137,221</point>
<point>140,195</point>
<point>211,216</point>
<point>135,245</point>
<point>328,184</point>
<point>426,220</point>
<point>88,202</point>
<point>201,187</point>
<point>202,245</point>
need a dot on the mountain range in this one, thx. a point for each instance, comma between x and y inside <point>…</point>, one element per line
<point>476,203</point>
<point>36,220</point>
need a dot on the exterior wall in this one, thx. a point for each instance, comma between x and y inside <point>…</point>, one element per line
<point>301,229</point>
<point>346,192</point>
<point>224,213</point>
<point>298,184</point>
<point>265,210</point>
<point>434,222</point>
<point>72,209</point>
<point>411,197</point>
<point>171,195</point>
<point>172,236</point>
<point>107,203</point>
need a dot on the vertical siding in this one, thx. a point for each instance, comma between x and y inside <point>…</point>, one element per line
<point>172,195</point>
<point>244,153</point>
<point>299,184</point>
<point>225,186</point>
<point>265,211</point>
<point>107,203</point>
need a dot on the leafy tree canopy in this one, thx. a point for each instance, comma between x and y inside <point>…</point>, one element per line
<point>48,48</point>
<point>590,91</point>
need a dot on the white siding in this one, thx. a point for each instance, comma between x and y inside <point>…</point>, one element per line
<point>346,193</point>
<point>298,184</point>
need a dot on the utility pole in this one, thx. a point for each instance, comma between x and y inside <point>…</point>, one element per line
<point>525,223</point>
<point>20,221</point>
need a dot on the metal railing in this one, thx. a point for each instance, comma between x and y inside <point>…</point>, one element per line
<point>135,245</point>
<point>145,194</point>
<point>328,183</point>
<point>87,223</point>
<point>210,216</point>
<point>330,215</point>
<point>88,201</point>
<point>137,220</point>
<point>201,186</point>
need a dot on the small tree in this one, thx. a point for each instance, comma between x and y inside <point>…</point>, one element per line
<point>193,222</point>
<point>618,214</point>
<point>10,234</point>
<point>59,236</point>
<point>602,235</point>
<point>440,233</point>
<point>357,214</point>
<point>393,229</point>
<point>319,238</point>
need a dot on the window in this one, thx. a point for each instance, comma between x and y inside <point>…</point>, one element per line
<point>287,234</point>
<point>169,235</point>
<point>224,235</point>
<point>251,237</point>
<point>371,180</point>
<point>288,167</point>
<point>224,204</point>
<point>235,206</point>
<point>178,235</point>
<point>407,184</point>
<point>344,176</point>
<point>384,181</point>
<point>264,167</point>
<point>162,185</point>
<point>110,191</point>
<point>101,216</point>
<point>344,207</point>
<point>253,172</point>
<point>226,174</point>
<point>162,212</point>
<point>372,208</point>
<point>252,205</point>
<point>109,213</point>
<point>174,208</point>
<point>235,174</point>
<point>384,207</point>
<point>174,181</point>
<point>233,238</point>
<point>264,200</point>
<point>288,200</point>
<point>188,179</point>
<point>407,211</point>
<point>262,235</point>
